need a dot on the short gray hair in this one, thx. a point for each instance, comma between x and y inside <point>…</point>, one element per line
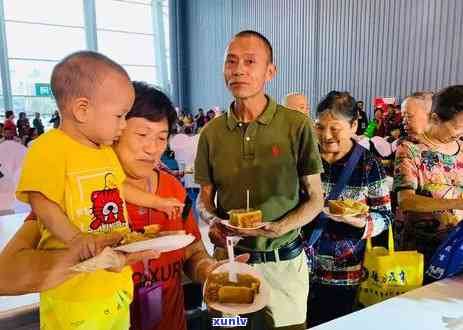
<point>285,98</point>
<point>425,97</point>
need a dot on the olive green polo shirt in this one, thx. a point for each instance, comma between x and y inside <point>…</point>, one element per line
<point>267,157</point>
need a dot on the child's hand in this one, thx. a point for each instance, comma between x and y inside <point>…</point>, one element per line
<point>172,207</point>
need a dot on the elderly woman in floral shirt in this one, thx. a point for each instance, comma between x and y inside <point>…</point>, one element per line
<point>429,176</point>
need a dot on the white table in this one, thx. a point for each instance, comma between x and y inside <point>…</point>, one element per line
<point>434,307</point>
<point>9,224</point>
<point>11,306</point>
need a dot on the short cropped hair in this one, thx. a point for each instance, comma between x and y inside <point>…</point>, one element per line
<point>8,113</point>
<point>422,95</point>
<point>251,33</point>
<point>79,73</point>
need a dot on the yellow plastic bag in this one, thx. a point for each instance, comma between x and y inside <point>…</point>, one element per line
<point>389,273</point>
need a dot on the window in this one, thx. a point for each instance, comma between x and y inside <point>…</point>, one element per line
<point>69,12</point>
<point>26,74</point>
<point>129,42</point>
<point>45,42</point>
<point>38,34</point>
<point>165,18</point>
<point>141,73</point>
<point>127,48</point>
<point>115,12</point>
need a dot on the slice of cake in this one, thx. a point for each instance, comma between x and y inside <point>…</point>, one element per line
<point>152,229</point>
<point>245,219</point>
<point>220,289</point>
<point>236,295</point>
<point>133,237</point>
<point>346,207</point>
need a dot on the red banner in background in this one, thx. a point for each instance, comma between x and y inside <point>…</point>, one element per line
<point>380,102</point>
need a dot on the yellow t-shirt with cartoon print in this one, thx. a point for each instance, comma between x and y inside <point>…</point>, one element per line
<point>86,183</point>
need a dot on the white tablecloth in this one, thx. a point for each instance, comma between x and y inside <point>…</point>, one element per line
<point>438,306</point>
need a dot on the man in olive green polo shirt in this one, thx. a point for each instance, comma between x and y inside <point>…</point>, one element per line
<point>262,147</point>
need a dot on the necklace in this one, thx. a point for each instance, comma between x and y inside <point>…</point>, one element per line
<point>425,136</point>
<point>437,146</point>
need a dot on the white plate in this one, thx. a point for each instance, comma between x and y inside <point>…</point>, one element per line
<point>227,224</point>
<point>161,244</point>
<point>260,300</point>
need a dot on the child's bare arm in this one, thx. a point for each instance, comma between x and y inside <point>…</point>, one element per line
<point>56,221</point>
<point>53,217</point>
<point>171,206</point>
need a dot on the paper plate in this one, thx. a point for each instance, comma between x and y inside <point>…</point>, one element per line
<point>260,300</point>
<point>161,244</point>
<point>227,224</point>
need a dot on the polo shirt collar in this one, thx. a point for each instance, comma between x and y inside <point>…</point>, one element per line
<point>265,117</point>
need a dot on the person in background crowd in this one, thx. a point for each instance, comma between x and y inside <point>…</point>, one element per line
<point>180,123</point>
<point>2,132</point>
<point>30,137</point>
<point>200,119</point>
<point>297,101</point>
<point>10,134</point>
<point>55,119</point>
<point>416,110</point>
<point>182,115</point>
<point>23,125</point>
<point>210,115</point>
<point>11,157</point>
<point>380,122</point>
<point>185,145</point>
<point>362,121</point>
<point>37,124</point>
<point>188,120</point>
<point>429,177</point>
<point>394,121</point>
<point>9,124</point>
<point>339,255</point>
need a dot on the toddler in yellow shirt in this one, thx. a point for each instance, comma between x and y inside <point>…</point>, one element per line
<point>74,183</point>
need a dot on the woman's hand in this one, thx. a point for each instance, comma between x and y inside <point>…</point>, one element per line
<point>359,221</point>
